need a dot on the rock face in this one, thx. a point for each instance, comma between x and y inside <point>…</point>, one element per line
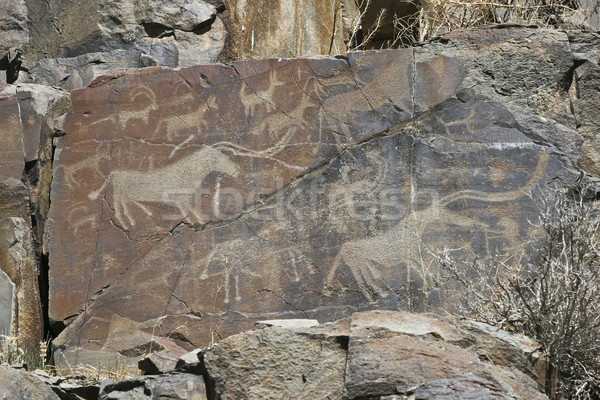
<point>171,32</point>
<point>370,356</point>
<point>303,27</point>
<point>26,112</point>
<point>192,203</point>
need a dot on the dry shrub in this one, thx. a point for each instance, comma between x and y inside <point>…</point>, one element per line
<point>555,298</point>
<point>115,371</point>
<point>12,352</point>
<point>436,17</point>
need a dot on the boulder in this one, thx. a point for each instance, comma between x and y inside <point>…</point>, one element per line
<point>375,354</point>
<point>159,362</point>
<point>170,386</point>
<point>14,27</point>
<point>279,363</point>
<point>396,353</point>
<point>20,384</point>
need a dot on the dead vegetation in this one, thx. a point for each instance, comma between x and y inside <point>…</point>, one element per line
<point>432,18</point>
<point>12,352</point>
<point>554,298</point>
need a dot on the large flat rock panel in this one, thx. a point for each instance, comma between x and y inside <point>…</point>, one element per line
<point>189,204</point>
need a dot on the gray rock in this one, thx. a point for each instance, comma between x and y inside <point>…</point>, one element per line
<point>278,363</point>
<point>25,173</point>
<point>20,384</point>
<point>191,362</point>
<point>289,323</point>
<point>7,302</point>
<point>459,386</point>
<point>72,73</point>
<point>14,29</point>
<point>170,386</point>
<point>163,30</point>
<point>403,354</point>
<point>159,362</point>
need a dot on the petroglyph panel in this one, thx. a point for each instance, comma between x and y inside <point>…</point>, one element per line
<point>151,151</point>
<point>192,203</point>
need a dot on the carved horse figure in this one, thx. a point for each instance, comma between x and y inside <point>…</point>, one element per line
<point>134,188</point>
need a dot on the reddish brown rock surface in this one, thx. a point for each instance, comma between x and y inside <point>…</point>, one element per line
<point>188,204</point>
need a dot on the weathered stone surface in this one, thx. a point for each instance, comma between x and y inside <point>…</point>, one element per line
<point>505,349</point>
<point>20,384</point>
<point>588,114</point>
<point>25,166</point>
<point>194,203</point>
<point>587,16</point>
<point>159,362</point>
<point>304,27</point>
<point>7,302</point>
<point>72,73</point>
<point>278,363</point>
<point>583,94</point>
<point>377,354</point>
<point>260,94</point>
<point>191,362</point>
<point>175,33</point>
<point>514,65</point>
<point>14,30</point>
<point>171,386</point>
<point>400,354</point>
<point>18,265</point>
<point>12,162</point>
<point>459,386</point>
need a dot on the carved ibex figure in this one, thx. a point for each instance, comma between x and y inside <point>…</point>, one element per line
<point>367,258</point>
<point>131,187</point>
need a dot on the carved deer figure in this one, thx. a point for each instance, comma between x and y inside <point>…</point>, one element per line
<point>135,188</point>
<point>367,258</point>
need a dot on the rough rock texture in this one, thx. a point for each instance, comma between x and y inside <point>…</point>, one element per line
<point>50,42</point>
<point>14,31</point>
<point>159,362</point>
<point>399,353</point>
<point>302,27</point>
<point>370,356</point>
<point>170,386</point>
<point>176,33</point>
<point>192,203</point>
<point>26,112</point>
<point>586,78</point>
<point>19,384</point>
<point>587,16</point>
<point>275,362</point>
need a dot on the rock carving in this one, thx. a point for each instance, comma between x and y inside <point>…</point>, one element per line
<point>130,187</point>
<point>366,258</point>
